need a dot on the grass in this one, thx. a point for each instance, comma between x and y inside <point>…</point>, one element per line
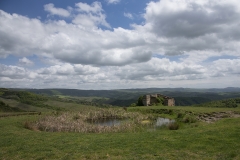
<point>68,106</point>
<point>220,140</point>
<point>80,98</point>
<point>80,121</point>
<point>25,107</point>
<point>186,139</point>
<point>184,109</point>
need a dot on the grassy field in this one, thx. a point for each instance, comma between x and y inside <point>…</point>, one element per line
<point>25,107</point>
<point>218,140</point>
<point>185,108</point>
<point>68,106</point>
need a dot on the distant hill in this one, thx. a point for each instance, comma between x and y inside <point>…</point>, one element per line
<point>125,97</point>
<point>226,103</point>
<point>25,97</point>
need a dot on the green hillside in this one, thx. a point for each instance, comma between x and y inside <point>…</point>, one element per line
<point>226,103</point>
<point>6,108</point>
<point>125,97</point>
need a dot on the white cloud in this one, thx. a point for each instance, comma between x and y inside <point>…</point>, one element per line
<point>226,67</point>
<point>95,7</point>
<point>90,15</point>
<point>56,11</point>
<point>14,72</point>
<point>83,53</point>
<point>25,62</point>
<point>154,73</point>
<point>191,25</point>
<point>128,15</point>
<point>113,1</point>
<point>157,69</point>
<point>68,69</point>
<point>71,43</point>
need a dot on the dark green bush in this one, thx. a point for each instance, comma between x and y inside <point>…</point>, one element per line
<point>180,115</point>
<point>173,126</point>
<point>189,119</point>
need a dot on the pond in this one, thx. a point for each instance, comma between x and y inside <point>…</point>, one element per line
<point>116,122</point>
<point>163,121</point>
<point>108,122</point>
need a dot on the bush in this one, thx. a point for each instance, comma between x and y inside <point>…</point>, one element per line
<point>173,126</point>
<point>160,101</point>
<point>27,125</point>
<point>140,101</point>
<point>189,119</point>
<point>133,105</point>
<point>180,115</point>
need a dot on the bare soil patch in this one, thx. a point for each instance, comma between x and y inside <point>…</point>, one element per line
<point>215,116</point>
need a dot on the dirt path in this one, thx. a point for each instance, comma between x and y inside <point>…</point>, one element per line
<point>215,116</point>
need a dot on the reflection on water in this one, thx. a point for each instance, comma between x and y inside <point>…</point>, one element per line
<point>107,122</point>
<point>163,122</point>
<point>116,122</point>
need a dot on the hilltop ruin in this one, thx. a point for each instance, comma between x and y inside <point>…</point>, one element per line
<point>152,99</point>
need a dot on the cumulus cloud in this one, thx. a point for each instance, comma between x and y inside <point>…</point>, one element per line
<point>190,18</point>
<point>14,72</point>
<point>191,25</point>
<point>157,69</point>
<point>25,62</point>
<point>226,67</point>
<point>72,43</point>
<point>128,15</point>
<point>87,50</point>
<point>113,1</point>
<point>56,11</point>
<point>90,15</point>
<point>68,69</point>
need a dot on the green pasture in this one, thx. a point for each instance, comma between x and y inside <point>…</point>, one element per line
<point>25,107</point>
<point>68,106</point>
<point>184,108</point>
<point>219,140</point>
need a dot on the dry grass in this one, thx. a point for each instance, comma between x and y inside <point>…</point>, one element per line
<point>79,122</point>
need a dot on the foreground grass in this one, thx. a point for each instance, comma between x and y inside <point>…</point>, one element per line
<point>185,108</point>
<point>220,140</point>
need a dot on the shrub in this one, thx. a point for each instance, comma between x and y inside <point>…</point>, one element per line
<point>173,126</point>
<point>27,125</point>
<point>189,119</point>
<point>133,105</point>
<point>180,115</point>
<point>160,100</point>
<point>140,101</point>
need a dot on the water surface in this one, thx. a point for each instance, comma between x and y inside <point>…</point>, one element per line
<point>163,121</point>
<point>107,122</point>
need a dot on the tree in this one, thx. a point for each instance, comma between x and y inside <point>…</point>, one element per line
<point>140,101</point>
<point>160,100</point>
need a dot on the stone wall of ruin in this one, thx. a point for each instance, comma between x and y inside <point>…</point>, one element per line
<point>152,99</point>
<point>171,102</point>
<point>146,100</point>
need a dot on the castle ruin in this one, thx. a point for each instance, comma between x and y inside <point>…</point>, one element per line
<point>152,99</point>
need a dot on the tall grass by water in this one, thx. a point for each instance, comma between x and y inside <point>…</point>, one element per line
<point>79,121</point>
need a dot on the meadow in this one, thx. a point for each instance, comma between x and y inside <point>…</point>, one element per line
<point>194,138</point>
<point>218,140</point>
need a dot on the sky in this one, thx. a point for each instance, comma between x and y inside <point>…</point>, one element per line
<point>119,44</point>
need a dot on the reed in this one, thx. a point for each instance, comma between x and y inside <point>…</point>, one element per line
<point>79,122</point>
